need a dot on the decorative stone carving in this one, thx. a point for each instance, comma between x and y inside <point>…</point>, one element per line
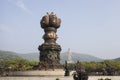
<point>50,50</point>
<point>80,70</point>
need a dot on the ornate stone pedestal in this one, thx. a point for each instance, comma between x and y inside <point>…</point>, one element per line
<point>50,50</point>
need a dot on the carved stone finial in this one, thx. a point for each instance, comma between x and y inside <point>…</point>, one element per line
<point>50,20</point>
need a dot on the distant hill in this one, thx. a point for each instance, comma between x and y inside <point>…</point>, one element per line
<point>80,57</point>
<point>35,56</point>
<point>30,56</point>
<point>63,56</point>
<point>117,59</point>
<point>7,55</point>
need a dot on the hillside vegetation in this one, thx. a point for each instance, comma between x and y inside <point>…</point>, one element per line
<point>80,57</point>
<point>23,65</point>
<point>7,55</point>
<point>117,59</point>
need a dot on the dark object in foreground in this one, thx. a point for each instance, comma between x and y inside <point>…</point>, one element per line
<point>67,72</point>
<point>80,72</point>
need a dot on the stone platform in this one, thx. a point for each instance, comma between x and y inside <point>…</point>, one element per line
<point>36,78</point>
<point>38,73</point>
<point>60,78</point>
<point>104,77</point>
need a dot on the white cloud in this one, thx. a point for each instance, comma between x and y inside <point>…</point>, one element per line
<point>21,4</point>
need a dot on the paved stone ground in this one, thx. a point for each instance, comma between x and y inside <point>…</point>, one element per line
<point>35,78</point>
<point>104,77</point>
<point>60,77</point>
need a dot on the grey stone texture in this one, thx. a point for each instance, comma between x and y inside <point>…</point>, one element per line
<point>60,78</point>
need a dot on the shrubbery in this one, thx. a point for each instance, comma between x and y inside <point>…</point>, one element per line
<point>104,79</point>
<point>16,65</point>
<point>22,65</point>
<point>99,66</point>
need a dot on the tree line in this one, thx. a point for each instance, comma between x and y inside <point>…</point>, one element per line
<point>107,67</point>
<point>90,67</point>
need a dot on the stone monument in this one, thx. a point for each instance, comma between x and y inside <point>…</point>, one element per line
<point>70,57</point>
<point>49,64</point>
<point>50,50</point>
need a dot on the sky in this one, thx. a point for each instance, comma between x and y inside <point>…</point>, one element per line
<point>88,26</point>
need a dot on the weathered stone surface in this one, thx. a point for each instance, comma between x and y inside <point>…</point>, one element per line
<point>60,77</point>
<point>56,72</point>
<point>80,72</point>
<point>50,50</point>
<point>104,77</point>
